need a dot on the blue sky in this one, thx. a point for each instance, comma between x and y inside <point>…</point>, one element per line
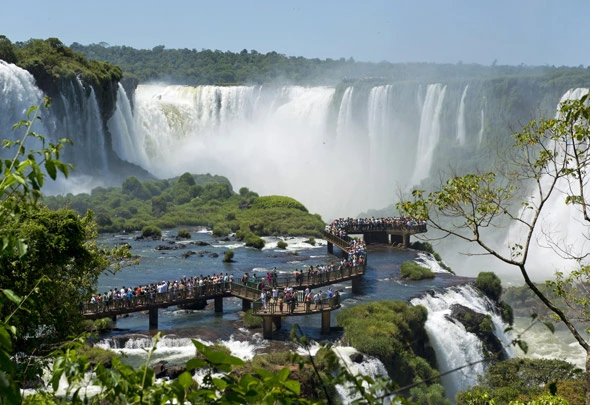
<point>513,32</point>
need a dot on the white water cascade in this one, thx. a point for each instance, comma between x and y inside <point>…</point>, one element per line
<point>429,131</point>
<point>461,131</point>
<point>481,127</point>
<point>561,227</point>
<point>454,346</point>
<point>345,114</point>
<point>19,92</point>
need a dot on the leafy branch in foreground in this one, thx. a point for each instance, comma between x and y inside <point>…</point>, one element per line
<point>23,176</point>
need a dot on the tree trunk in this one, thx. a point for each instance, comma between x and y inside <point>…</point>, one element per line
<point>587,377</point>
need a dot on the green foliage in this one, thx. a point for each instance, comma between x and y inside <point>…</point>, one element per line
<point>228,256</point>
<point>524,380</point>
<point>200,67</point>
<point>251,240</point>
<point>7,52</point>
<point>275,201</point>
<point>174,203</point>
<point>507,313</point>
<point>282,244</point>
<point>184,234</point>
<point>151,231</point>
<point>99,325</point>
<point>252,321</point>
<point>423,246</point>
<point>414,271</point>
<point>133,188</point>
<point>392,331</point>
<point>97,355</point>
<point>490,284</point>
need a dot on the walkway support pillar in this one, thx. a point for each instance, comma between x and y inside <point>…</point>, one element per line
<point>330,248</point>
<point>267,327</point>
<point>114,318</point>
<point>218,304</point>
<point>326,321</point>
<point>406,238</point>
<point>356,285</point>
<point>246,305</point>
<point>277,321</point>
<point>153,318</point>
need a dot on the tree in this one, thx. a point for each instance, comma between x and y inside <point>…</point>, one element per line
<point>525,379</point>
<point>60,267</point>
<point>549,162</point>
<point>47,257</point>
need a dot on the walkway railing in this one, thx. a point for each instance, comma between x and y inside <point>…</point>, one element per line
<point>342,243</point>
<point>402,227</point>
<point>305,279</point>
<point>249,291</point>
<point>146,301</point>
<point>297,306</point>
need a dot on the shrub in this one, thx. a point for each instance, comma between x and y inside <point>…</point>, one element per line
<point>220,230</point>
<point>311,241</point>
<point>151,231</point>
<point>507,313</point>
<point>275,201</point>
<point>414,271</point>
<point>252,321</point>
<point>423,246</point>
<point>184,233</point>
<point>486,326</point>
<point>97,355</point>
<point>489,284</point>
<point>282,244</point>
<point>254,241</point>
<point>228,256</point>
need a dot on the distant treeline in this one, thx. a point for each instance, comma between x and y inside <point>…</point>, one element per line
<point>207,67</point>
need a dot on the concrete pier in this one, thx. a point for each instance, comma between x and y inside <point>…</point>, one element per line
<point>219,305</point>
<point>326,321</point>
<point>153,318</point>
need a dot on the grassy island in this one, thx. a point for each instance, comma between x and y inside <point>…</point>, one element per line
<point>193,200</point>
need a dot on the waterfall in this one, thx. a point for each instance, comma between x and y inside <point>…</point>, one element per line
<point>561,227</point>
<point>429,131</point>
<point>19,92</point>
<point>344,127</point>
<point>368,367</point>
<point>453,345</point>
<point>461,118</point>
<point>127,140</point>
<point>480,135</point>
<point>378,118</point>
<point>300,141</point>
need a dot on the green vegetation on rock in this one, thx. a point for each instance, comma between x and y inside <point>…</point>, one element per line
<point>490,284</point>
<point>228,256</point>
<point>414,271</point>
<point>393,331</point>
<point>282,244</point>
<point>525,380</point>
<point>193,200</point>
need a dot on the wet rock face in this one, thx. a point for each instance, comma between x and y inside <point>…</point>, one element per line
<point>163,370</point>
<point>482,326</point>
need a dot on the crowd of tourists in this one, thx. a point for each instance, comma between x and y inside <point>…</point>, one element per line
<point>268,284</point>
<point>288,299</point>
<point>344,226</point>
<point>181,288</point>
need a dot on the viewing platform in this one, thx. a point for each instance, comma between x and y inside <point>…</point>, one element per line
<point>248,292</point>
<point>394,231</point>
<point>196,291</point>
